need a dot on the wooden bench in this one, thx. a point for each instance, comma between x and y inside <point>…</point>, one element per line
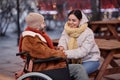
<point>109,50</point>
<point>107,29</point>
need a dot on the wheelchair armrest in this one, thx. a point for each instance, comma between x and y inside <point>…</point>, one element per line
<point>48,60</point>
<point>21,53</point>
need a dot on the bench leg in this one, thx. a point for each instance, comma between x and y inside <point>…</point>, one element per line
<point>105,64</point>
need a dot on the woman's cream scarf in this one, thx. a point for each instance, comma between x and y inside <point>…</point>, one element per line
<point>74,33</point>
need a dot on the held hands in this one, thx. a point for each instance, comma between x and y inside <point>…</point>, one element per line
<point>60,48</point>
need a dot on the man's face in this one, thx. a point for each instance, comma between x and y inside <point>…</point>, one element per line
<point>43,25</point>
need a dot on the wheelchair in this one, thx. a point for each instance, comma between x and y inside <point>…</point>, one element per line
<point>52,74</point>
<point>35,76</point>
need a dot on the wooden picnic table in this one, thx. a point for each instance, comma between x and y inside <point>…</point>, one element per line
<point>109,49</point>
<point>106,29</point>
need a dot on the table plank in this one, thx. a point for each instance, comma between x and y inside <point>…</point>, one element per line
<point>106,22</point>
<point>108,44</point>
<point>102,43</point>
<point>109,28</point>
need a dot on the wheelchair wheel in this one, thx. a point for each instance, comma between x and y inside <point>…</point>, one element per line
<point>34,76</point>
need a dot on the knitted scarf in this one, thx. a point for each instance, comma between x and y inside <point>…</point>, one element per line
<point>47,38</point>
<point>74,33</point>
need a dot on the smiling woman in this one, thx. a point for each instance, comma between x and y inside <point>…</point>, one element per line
<point>78,43</point>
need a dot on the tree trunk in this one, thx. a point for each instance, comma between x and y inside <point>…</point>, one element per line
<point>95,7</point>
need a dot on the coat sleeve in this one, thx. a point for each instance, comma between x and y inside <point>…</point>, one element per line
<point>81,51</point>
<point>84,48</point>
<point>62,41</point>
<point>39,49</point>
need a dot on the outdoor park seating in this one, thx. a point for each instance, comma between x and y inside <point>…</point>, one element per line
<point>110,51</point>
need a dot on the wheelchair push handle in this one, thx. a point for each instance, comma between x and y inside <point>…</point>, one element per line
<point>21,53</point>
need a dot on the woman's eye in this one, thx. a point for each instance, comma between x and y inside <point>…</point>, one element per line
<point>73,20</point>
<point>69,20</point>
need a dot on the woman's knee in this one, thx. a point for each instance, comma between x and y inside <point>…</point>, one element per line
<point>91,66</point>
<point>77,67</point>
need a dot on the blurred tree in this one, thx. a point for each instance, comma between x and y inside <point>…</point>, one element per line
<point>95,7</point>
<point>60,6</point>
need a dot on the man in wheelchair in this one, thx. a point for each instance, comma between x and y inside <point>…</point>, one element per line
<point>37,43</point>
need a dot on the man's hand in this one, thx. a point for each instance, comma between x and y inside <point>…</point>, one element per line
<point>60,48</point>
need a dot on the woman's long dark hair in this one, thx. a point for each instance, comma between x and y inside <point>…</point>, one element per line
<point>77,13</point>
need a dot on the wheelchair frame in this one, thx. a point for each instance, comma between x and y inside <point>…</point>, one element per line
<point>53,74</point>
<point>35,74</point>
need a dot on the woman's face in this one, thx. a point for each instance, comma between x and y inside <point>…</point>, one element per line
<point>73,21</point>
